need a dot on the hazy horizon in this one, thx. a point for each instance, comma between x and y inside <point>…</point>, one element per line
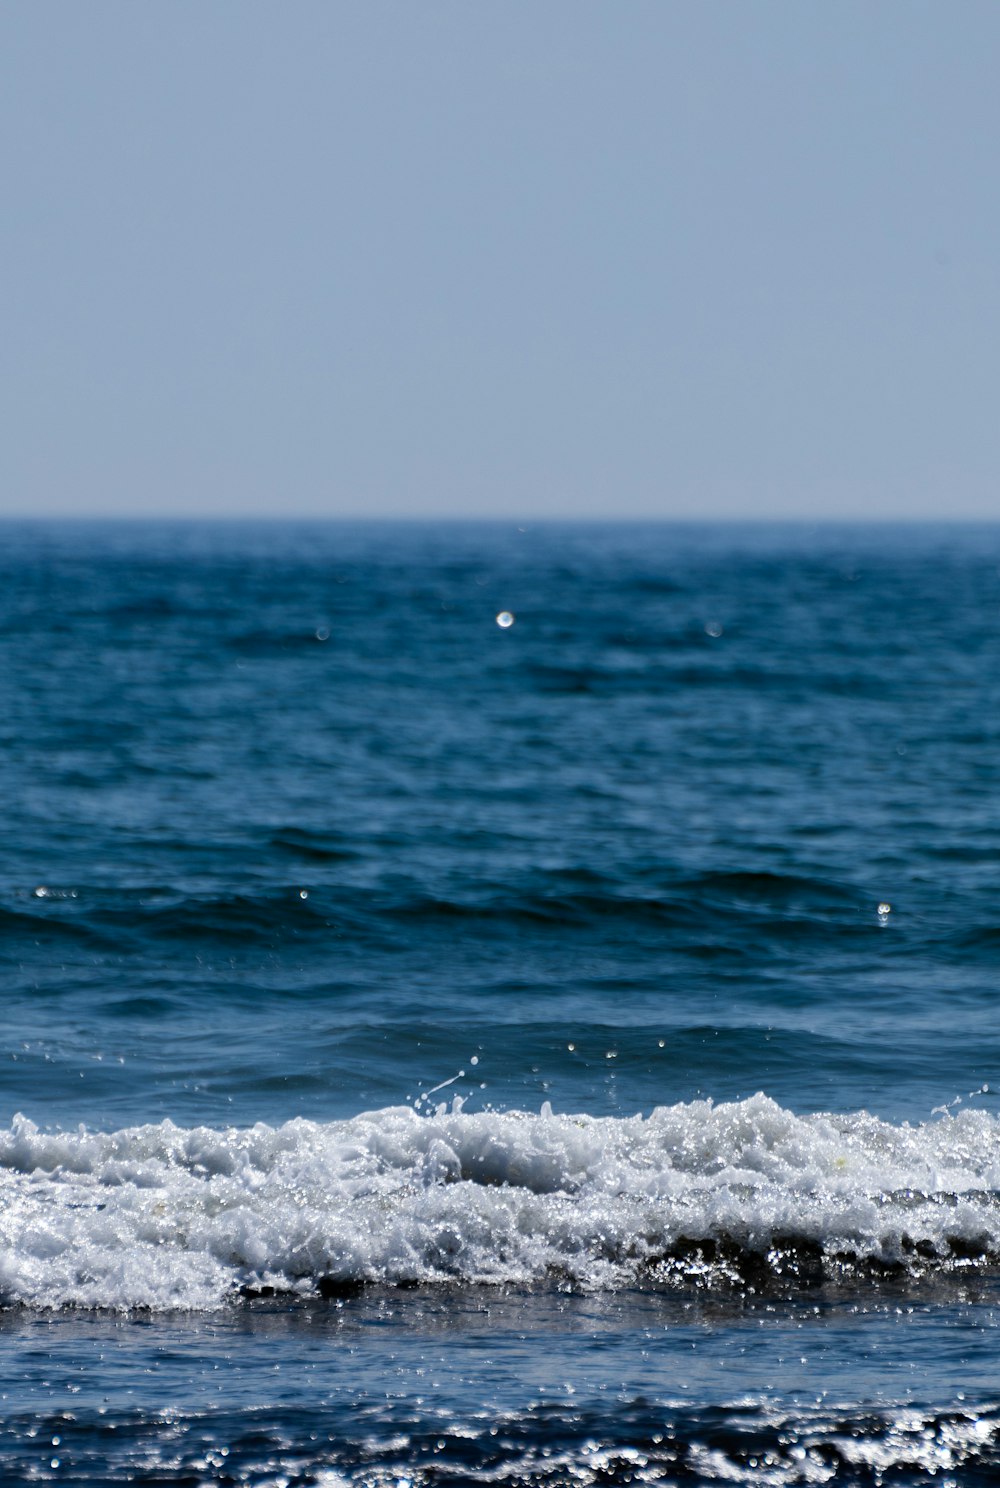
<point>519,523</point>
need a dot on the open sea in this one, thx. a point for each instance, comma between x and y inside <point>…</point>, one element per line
<point>554,1049</point>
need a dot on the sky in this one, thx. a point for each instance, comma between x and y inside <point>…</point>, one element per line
<point>538,258</point>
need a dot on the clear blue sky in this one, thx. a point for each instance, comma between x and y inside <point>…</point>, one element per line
<point>436,257</point>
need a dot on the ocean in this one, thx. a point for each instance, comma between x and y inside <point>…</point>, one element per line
<point>499,1003</point>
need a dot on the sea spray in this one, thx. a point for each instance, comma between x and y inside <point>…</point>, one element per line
<point>165,1217</point>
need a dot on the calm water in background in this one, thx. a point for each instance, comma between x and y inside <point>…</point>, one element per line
<point>293,829</point>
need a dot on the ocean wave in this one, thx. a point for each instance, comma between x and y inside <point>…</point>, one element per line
<point>723,1195</point>
<point>719,911</point>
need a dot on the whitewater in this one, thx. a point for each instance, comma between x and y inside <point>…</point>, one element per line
<point>164,1217</point>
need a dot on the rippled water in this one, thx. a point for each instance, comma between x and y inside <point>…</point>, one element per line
<point>487,1004</point>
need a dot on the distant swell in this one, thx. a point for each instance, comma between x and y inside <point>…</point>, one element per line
<point>719,910</point>
<point>724,1195</point>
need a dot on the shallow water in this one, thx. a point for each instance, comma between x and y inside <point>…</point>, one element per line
<point>476,1385</point>
<point>315,876</point>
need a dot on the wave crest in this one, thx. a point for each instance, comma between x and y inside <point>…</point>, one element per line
<point>717,1195</point>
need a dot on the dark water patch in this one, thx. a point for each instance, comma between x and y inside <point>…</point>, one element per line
<point>239,920</point>
<point>265,643</point>
<point>145,607</point>
<point>141,1008</point>
<point>780,890</point>
<point>978,940</point>
<point>47,926</point>
<point>584,896</point>
<point>313,846</point>
<point>551,909</point>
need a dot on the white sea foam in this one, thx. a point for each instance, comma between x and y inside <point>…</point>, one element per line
<point>167,1217</point>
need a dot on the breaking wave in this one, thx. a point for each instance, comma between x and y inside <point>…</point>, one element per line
<point>737,1194</point>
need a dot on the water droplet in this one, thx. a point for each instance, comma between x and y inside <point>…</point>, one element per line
<point>713,628</point>
<point>474,1059</point>
<point>303,893</point>
<point>322,633</point>
<point>505,619</point>
<point>571,1048</point>
<point>663,1043</point>
<point>884,908</point>
<point>41,892</point>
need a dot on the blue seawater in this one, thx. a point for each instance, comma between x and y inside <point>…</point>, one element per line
<point>441,1051</point>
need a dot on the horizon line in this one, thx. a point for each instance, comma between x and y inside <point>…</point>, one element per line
<point>202,519</point>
